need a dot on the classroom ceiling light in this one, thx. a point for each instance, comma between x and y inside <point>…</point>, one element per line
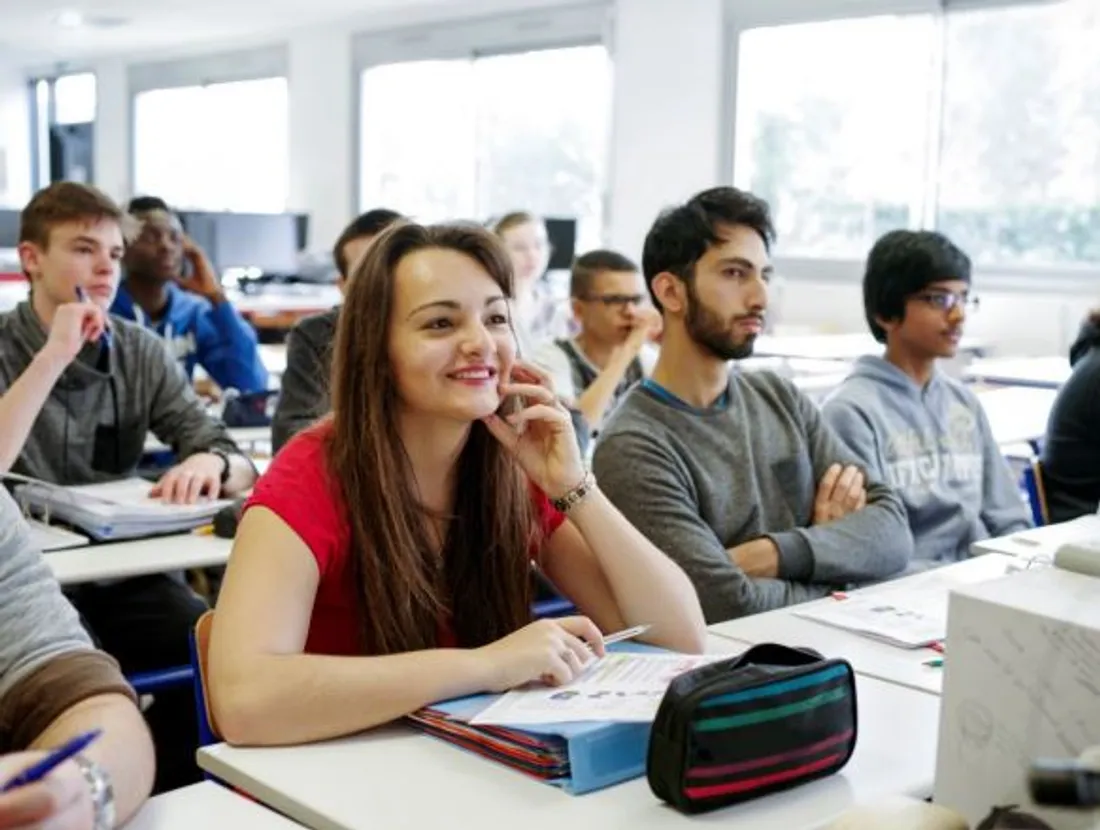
<point>69,19</point>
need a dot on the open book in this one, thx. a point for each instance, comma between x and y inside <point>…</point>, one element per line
<point>114,510</point>
<point>909,619</point>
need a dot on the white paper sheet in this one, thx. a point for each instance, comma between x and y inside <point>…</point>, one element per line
<point>910,619</point>
<point>622,687</point>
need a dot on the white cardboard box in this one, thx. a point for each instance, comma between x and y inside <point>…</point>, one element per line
<point>1022,682</point>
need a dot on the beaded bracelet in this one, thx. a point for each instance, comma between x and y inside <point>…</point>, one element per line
<point>575,496</point>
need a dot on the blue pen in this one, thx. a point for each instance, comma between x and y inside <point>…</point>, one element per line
<point>38,771</point>
<point>105,338</point>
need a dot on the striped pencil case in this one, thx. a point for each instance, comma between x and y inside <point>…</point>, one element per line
<point>768,720</point>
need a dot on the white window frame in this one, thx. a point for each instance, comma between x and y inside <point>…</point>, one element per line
<point>742,15</point>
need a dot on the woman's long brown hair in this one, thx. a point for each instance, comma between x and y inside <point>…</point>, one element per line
<point>404,584</point>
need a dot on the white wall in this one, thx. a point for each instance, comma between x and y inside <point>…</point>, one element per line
<point>15,138</point>
<point>668,125</point>
<point>112,129</point>
<point>322,90</point>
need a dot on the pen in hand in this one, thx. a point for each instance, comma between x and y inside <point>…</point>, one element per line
<point>39,770</point>
<point>105,337</point>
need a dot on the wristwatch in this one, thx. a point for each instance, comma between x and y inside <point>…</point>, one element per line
<point>103,794</point>
<point>224,456</point>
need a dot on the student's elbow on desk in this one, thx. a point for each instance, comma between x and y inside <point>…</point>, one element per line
<point>242,718</point>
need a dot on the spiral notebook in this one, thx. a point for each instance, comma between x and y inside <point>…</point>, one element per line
<point>113,510</point>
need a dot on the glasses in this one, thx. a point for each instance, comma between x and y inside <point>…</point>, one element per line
<point>615,300</point>
<point>945,301</point>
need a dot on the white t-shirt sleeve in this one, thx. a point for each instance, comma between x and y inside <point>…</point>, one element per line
<point>552,358</point>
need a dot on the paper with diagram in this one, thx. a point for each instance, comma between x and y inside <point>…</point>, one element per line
<point>621,687</point>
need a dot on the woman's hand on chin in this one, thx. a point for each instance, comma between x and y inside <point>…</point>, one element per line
<point>540,434</point>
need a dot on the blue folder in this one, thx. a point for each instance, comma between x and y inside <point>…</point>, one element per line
<point>578,757</point>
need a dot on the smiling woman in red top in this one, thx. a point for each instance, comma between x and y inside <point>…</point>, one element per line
<point>383,562</point>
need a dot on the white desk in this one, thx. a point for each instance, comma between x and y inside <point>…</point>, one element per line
<point>48,538</point>
<point>842,347</point>
<point>206,805</point>
<point>273,356</point>
<point>1040,541</point>
<point>301,299</point>
<point>868,656</point>
<point>246,438</point>
<point>396,778</point>
<point>1017,414</point>
<point>1042,372</point>
<point>119,560</point>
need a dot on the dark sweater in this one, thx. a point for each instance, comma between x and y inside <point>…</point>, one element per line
<point>1071,451</point>
<point>698,483</point>
<point>305,390</point>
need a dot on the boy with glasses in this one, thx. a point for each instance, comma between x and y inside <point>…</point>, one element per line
<point>922,432</point>
<point>593,370</point>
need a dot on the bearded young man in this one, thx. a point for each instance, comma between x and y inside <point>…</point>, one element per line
<point>734,474</point>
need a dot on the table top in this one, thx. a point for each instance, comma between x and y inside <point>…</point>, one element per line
<point>206,805</point>
<point>1048,372</point>
<point>374,781</point>
<point>119,560</point>
<point>1017,414</point>
<point>868,656</point>
<point>245,437</point>
<point>1041,541</point>
<point>832,346</point>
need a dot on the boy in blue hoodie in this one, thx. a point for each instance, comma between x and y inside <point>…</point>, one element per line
<point>193,315</point>
<point>922,432</point>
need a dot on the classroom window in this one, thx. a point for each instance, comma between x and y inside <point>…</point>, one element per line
<point>477,137</point>
<point>835,139</point>
<point>1020,176</point>
<point>981,122</point>
<point>214,147</point>
<point>74,99</point>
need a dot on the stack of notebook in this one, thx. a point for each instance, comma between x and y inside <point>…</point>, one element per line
<point>578,757</point>
<point>114,510</point>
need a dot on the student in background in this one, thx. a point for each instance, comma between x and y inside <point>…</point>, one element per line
<point>1071,449</point>
<point>924,433</point>
<point>80,393</point>
<point>54,687</point>
<point>538,315</point>
<point>594,369</point>
<point>383,562</point>
<point>304,396</point>
<point>733,474</point>
<point>187,308</point>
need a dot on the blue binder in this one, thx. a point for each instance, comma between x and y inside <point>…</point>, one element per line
<point>589,756</point>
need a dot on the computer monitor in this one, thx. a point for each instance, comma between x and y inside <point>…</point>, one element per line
<point>253,240</point>
<point>265,241</point>
<point>9,228</point>
<point>563,243</point>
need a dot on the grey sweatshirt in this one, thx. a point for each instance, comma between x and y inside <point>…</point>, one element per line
<point>94,422</point>
<point>935,448</point>
<point>47,662</point>
<point>697,483</point>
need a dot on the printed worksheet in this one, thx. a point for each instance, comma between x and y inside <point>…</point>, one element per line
<point>623,687</point>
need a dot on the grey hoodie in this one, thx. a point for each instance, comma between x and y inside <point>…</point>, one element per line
<point>93,425</point>
<point>935,448</point>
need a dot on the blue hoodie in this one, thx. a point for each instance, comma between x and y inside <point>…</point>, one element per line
<point>935,448</point>
<point>198,332</point>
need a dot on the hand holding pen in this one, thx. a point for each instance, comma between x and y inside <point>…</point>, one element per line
<point>73,325</point>
<point>41,789</point>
